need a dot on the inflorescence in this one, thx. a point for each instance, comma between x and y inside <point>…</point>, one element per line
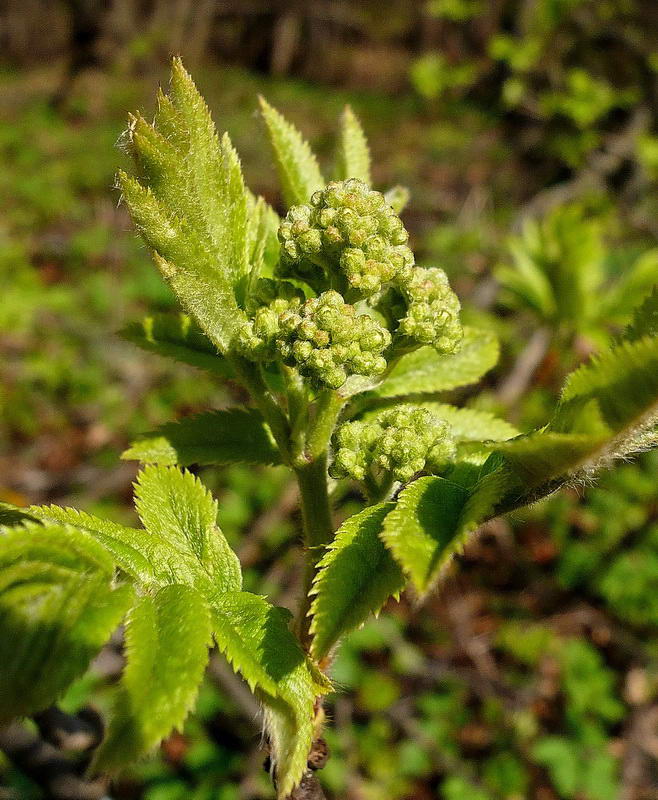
<point>401,441</point>
<point>369,303</point>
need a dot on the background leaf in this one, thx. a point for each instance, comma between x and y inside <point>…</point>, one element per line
<point>353,153</point>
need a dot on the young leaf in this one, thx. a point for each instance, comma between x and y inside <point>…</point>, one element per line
<point>353,156</point>
<point>58,607</point>
<point>432,520</point>
<point>356,576</point>
<point>186,262</point>
<point>299,173</point>
<point>255,638</point>
<point>167,640</point>
<point>176,336</point>
<point>426,372</point>
<point>175,506</point>
<point>215,437</point>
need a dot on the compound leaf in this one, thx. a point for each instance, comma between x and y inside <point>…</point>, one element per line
<point>356,576</point>
<point>297,167</point>
<point>58,607</point>
<point>215,437</point>
<point>167,640</point>
<point>177,336</point>
<point>353,153</point>
<point>255,638</point>
<point>427,372</point>
<point>175,507</point>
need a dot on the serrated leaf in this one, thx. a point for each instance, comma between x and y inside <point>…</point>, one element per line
<point>355,577</point>
<point>186,262</point>
<point>191,206</point>
<point>353,153</point>
<point>58,607</point>
<point>175,506</point>
<point>167,640</point>
<point>432,520</point>
<point>215,437</point>
<point>297,167</point>
<point>426,372</point>
<point>645,319</point>
<point>255,638</point>
<point>177,336</point>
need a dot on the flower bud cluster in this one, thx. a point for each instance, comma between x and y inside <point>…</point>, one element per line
<point>352,233</point>
<point>432,316</point>
<point>401,441</point>
<point>324,338</point>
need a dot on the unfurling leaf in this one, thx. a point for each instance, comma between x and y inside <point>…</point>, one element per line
<point>216,437</point>
<point>356,576</point>
<point>177,336</point>
<point>299,173</point>
<point>58,606</point>
<point>427,372</point>
<point>167,640</point>
<point>353,156</point>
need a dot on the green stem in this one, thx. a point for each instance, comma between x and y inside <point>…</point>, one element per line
<point>318,529</point>
<point>328,407</point>
<point>250,376</point>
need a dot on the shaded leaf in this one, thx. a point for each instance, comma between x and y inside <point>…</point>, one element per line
<point>177,336</point>
<point>58,607</point>
<point>215,437</point>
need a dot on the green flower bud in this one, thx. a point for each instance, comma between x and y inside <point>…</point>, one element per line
<point>432,316</point>
<point>350,232</point>
<point>323,337</point>
<point>401,441</point>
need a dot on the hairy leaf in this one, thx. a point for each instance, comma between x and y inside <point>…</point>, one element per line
<point>58,607</point>
<point>353,155</point>
<point>432,520</point>
<point>255,638</point>
<point>216,437</point>
<point>175,506</point>
<point>167,640</point>
<point>356,576</point>
<point>177,336</point>
<point>426,372</point>
<point>299,173</point>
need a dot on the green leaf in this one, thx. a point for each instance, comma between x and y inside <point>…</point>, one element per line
<point>215,437</point>
<point>130,548</point>
<point>186,262</point>
<point>175,507</point>
<point>432,520</point>
<point>299,173</point>
<point>608,410</point>
<point>355,577</point>
<point>645,319</point>
<point>190,205</point>
<point>353,156</point>
<point>167,640</point>
<point>58,607</point>
<point>176,336</point>
<point>426,372</point>
<point>255,638</point>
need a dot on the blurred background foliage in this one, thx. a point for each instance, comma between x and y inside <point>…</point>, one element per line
<point>527,133</point>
